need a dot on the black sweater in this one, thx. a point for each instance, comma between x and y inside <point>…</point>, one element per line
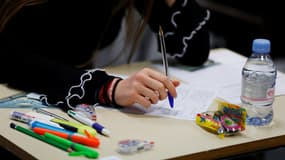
<point>40,47</point>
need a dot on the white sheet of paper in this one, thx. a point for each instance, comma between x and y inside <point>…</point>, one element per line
<point>189,102</point>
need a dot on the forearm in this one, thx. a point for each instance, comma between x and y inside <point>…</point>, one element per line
<point>63,85</point>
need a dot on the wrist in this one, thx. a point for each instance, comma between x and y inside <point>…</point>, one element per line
<point>112,91</point>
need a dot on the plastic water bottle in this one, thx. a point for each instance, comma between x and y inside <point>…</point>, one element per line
<point>258,84</point>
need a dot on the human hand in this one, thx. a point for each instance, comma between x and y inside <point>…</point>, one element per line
<point>145,87</point>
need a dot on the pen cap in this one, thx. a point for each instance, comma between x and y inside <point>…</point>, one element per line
<point>101,129</point>
<point>92,131</point>
<point>22,117</point>
<point>93,142</point>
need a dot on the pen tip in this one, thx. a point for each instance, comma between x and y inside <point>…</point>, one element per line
<point>171,100</point>
<point>106,132</point>
<point>13,125</point>
<point>171,105</point>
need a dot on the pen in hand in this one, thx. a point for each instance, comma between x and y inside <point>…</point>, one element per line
<point>165,63</point>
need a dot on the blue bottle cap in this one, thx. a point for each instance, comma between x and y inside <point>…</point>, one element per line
<point>261,46</point>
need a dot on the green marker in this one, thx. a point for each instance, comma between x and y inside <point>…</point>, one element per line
<point>33,134</point>
<point>79,149</point>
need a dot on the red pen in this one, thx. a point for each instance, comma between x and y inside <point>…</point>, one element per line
<point>89,141</point>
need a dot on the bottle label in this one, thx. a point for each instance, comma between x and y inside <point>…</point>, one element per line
<point>257,93</point>
<point>262,97</point>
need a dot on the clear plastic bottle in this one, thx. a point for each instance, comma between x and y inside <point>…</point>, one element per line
<point>258,84</point>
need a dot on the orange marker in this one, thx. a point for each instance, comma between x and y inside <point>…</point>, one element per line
<point>89,141</point>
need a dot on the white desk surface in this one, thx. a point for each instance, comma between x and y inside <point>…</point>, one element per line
<point>174,139</point>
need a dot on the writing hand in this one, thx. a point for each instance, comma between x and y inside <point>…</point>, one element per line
<point>145,87</point>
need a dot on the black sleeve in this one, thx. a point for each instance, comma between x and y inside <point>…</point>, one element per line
<point>185,29</point>
<point>26,64</point>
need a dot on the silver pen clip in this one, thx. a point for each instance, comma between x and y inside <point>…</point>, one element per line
<point>42,111</point>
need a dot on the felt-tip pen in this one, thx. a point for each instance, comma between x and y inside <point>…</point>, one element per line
<point>79,149</point>
<point>92,141</point>
<point>99,128</point>
<point>39,137</point>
